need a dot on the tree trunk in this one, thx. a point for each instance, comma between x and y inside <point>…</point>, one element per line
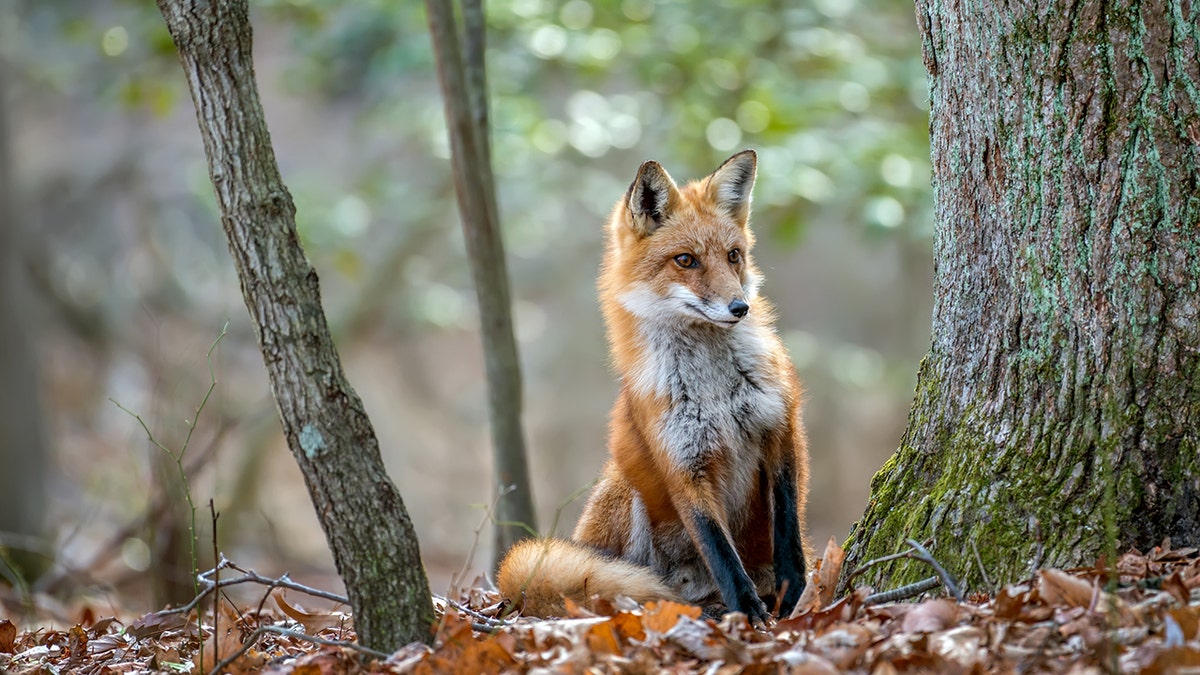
<point>361,512</point>
<point>23,460</point>
<point>465,93</point>
<point>1057,414</point>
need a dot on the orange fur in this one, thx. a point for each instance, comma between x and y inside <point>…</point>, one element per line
<point>544,571</point>
<point>706,440</point>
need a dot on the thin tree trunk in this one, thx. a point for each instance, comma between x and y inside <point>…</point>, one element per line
<point>1057,414</point>
<point>464,91</point>
<point>23,460</point>
<point>361,512</point>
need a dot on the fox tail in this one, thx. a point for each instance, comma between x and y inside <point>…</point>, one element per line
<point>542,572</point>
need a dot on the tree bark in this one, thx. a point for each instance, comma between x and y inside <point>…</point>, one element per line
<point>465,97</point>
<point>1057,414</point>
<point>361,512</point>
<point>23,448</point>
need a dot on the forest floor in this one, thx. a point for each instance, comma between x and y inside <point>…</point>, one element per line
<point>1140,614</point>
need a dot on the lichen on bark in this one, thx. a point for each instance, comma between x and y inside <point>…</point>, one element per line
<point>1057,414</point>
<point>363,517</point>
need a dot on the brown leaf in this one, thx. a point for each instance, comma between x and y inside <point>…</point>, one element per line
<point>155,623</point>
<point>930,616</point>
<point>1010,601</point>
<point>843,610</point>
<point>661,616</point>
<point>822,580</point>
<point>8,636</point>
<point>602,639</point>
<point>100,627</point>
<point>313,622</point>
<point>222,647</point>
<point>77,641</point>
<point>628,626</point>
<point>1174,585</point>
<point>493,655</point>
<point>1057,587</point>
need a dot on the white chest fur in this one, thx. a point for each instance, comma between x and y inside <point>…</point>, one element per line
<point>722,399</point>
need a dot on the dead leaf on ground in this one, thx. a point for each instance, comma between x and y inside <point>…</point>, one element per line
<point>77,642</point>
<point>602,639</point>
<point>224,646</point>
<point>1056,586</point>
<point>313,622</point>
<point>155,624</point>
<point>822,580</point>
<point>8,636</point>
<point>661,616</point>
<point>930,617</point>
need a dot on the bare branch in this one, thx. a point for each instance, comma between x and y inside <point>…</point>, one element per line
<point>211,584</point>
<point>924,555</point>
<point>904,592</point>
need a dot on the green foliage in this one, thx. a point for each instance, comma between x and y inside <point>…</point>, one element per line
<point>833,96</point>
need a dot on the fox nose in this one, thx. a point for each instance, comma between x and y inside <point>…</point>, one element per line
<point>738,308</point>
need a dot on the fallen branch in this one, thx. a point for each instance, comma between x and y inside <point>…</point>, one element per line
<point>983,572</point>
<point>248,577</point>
<point>903,593</point>
<point>490,621</point>
<point>906,553</point>
<point>925,556</point>
<point>915,551</point>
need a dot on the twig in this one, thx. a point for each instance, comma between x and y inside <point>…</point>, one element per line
<point>258,632</point>
<point>187,441</point>
<point>158,505</point>
<point>906,553</point>
<point>927,557</point>
<point>979,561</point>
<point>1037,552</point>
<point>915,551</point>
<point>488,512</point>
<point>491,620</point>
<point>249,577</point>
<point>904,592</point>
<point>216,610</point>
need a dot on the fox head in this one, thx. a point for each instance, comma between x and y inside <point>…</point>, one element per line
<point>684,253</point>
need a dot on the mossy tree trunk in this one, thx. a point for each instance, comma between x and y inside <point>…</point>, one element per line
<point>1057,414</point>
<point>360,510</point>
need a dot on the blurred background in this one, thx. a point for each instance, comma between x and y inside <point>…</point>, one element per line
<point>117,280</point>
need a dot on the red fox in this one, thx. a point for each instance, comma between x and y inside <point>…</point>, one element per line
<point>703,497</point>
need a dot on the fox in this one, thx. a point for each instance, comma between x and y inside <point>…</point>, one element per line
<point>702,499</point>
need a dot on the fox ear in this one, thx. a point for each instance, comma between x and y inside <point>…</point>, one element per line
<point>729,186</point>
<point>651,198</point>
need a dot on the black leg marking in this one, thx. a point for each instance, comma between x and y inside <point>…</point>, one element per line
<point>789,552</point>
<point>737,591</point>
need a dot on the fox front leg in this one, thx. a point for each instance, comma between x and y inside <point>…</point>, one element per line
<point>790,570</point>
<point>716,548</point>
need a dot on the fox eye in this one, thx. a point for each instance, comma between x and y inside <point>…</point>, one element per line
<point>686,260</point>
<point>735,256</point>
